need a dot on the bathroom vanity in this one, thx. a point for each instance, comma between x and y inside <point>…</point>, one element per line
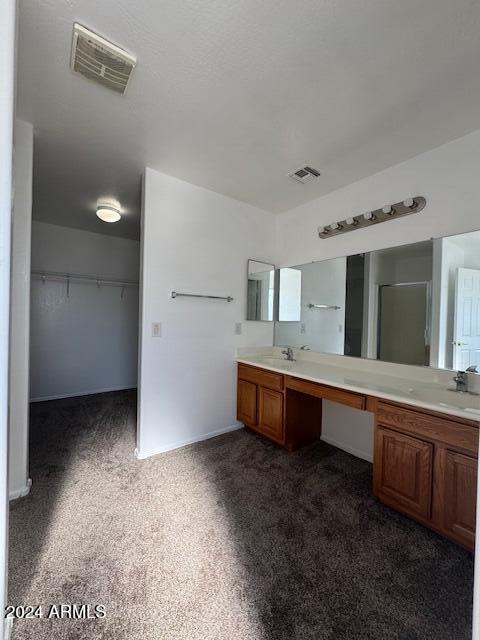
<point>425,436</point>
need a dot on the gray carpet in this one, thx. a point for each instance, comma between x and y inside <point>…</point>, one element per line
<point>232,538</point>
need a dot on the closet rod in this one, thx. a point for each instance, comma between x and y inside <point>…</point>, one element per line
<point>98,280</point>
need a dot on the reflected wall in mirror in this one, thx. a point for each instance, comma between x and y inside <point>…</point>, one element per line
<point>456,296</point>
<point>320,309</point>
<point>290,295</point>
<point>416,304</point>
<point>260,291</point>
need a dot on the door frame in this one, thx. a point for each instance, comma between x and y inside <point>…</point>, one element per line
<point>7,106</point>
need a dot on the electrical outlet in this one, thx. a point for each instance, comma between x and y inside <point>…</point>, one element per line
<point>238,328</point>
<point>302,327</point>
<point>156,330</point>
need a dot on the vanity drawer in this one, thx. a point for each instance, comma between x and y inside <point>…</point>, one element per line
<point>455,434</point>
<point>351,399</point>
<point>262,377</point>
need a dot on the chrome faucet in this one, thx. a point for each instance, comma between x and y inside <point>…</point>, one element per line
<point>461,379</point>
<point>288,353</point>
<point>304,347</point>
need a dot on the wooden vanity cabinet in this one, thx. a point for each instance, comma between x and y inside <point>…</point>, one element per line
<point>403,472</point>
<point>457,496</point>
<point>425,465</point>
<point>270,414</point>
<point>260,401</point>
<point>287,417</point>
<point>247,402</point>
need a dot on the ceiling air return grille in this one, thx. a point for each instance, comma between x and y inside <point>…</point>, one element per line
<point>100,60</point>
<point>304,174</point>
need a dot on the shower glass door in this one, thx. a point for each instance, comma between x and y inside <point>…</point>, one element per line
<point>403,323</point>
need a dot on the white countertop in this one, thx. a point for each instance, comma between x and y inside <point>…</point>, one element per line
<point>434,395</point>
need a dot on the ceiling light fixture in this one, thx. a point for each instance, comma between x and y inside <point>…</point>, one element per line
<point>108,213</point>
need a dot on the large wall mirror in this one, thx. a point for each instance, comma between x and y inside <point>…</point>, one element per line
<point>416,304</point>
<point>260,291</point>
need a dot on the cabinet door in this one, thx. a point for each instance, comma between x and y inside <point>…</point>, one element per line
<point>247,402</point>
<point>460,491</point>
<point>403,472</point>
<point>270,413</point>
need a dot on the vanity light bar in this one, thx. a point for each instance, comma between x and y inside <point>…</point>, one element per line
<point>388,212</point>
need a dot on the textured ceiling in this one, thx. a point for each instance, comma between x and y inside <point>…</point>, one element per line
<point>233,95</point>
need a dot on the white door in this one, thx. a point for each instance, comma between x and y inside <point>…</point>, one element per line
<point>466,323</point>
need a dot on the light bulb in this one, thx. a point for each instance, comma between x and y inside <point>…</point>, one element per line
<point>409,203</point>
<point>369,215</point>
<point>388,210</point>
<point>351,222</point>
<point>107,213</point>
<point>335,226</point>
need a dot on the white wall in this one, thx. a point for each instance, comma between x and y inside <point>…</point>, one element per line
<point>197,241</point>
<point>394,268</point>
<point>323,329</point>
<point>85,343</point>
<point>446,176</point>
<point>20,310</point>
<point>7,79</point>
<point>348,429</point>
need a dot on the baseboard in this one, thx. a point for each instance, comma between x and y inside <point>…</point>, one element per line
<point>345,447</point>
<point>79,394</point>
<point>142,455</point>
<point>22,492</point>
<point>7,629</point>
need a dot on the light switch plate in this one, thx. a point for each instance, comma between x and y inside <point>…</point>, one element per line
<point>156,330</point>
<point>302,327</point>
<point>238,328</point>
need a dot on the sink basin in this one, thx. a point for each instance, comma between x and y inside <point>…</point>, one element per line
<point>276,362</point>
<point>448,398</point>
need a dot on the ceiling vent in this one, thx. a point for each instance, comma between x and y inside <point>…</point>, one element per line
<point>304,174</point>
<point>100,60</point>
